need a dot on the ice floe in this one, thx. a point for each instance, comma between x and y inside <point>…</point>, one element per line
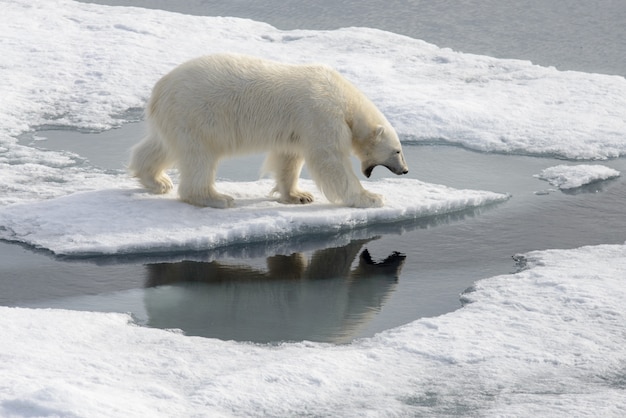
<point>547,341</point>
<point>573,176</point>
<point>86,66</point>
<point>115,221</point>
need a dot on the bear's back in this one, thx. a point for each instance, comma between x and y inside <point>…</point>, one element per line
<point>253,102</point>
<point>226,77</point>
<point>248,92</point>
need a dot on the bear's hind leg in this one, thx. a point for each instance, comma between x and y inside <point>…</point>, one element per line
<point>149,160</point>
<point>197,182</point>
<point>286,168</point>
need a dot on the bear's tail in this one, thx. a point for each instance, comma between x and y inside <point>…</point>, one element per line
<point>148,161</point>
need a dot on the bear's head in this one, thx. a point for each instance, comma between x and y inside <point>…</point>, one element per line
<point>382,147</point>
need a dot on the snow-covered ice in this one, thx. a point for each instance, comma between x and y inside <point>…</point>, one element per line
<point>85,66</point>
<point>573,176</point>
<point>547,341</point>
<point>117,221</point>
<point>69,64</point>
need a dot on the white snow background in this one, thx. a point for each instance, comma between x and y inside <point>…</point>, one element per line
<point>546,341</point>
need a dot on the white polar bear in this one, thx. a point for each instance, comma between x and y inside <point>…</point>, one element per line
<point>222,105</point>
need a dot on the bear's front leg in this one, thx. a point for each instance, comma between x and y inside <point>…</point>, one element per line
<point>335,177</point>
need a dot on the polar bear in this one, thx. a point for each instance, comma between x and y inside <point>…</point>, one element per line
<point>222,105</point>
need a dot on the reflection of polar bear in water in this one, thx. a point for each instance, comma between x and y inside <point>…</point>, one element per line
<point>325,297</point>
<point>220,105</point>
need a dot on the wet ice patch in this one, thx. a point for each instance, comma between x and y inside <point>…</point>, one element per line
<point>567,177</point>
<point>115,221</point>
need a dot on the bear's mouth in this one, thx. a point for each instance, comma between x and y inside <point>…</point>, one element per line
<point>367,172</point>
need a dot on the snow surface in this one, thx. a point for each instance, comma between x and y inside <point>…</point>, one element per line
<point>547,341</point>
<point>68,64</point>
<point>573,176</point>
<point>117,221</point>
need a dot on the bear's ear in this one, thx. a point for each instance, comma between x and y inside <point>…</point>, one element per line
<point>379,131</point>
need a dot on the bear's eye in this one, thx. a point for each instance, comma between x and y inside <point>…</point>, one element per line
<point>397,152</point>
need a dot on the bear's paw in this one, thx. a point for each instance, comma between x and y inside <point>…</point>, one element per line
<point>218,201</point>
<point>366,199</point>
<point>160,184</point>
<point>297,198</point>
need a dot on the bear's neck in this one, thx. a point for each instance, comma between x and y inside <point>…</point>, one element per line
<point>363,118</point>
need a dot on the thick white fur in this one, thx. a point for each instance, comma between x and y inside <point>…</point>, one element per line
<point>223,105</point>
